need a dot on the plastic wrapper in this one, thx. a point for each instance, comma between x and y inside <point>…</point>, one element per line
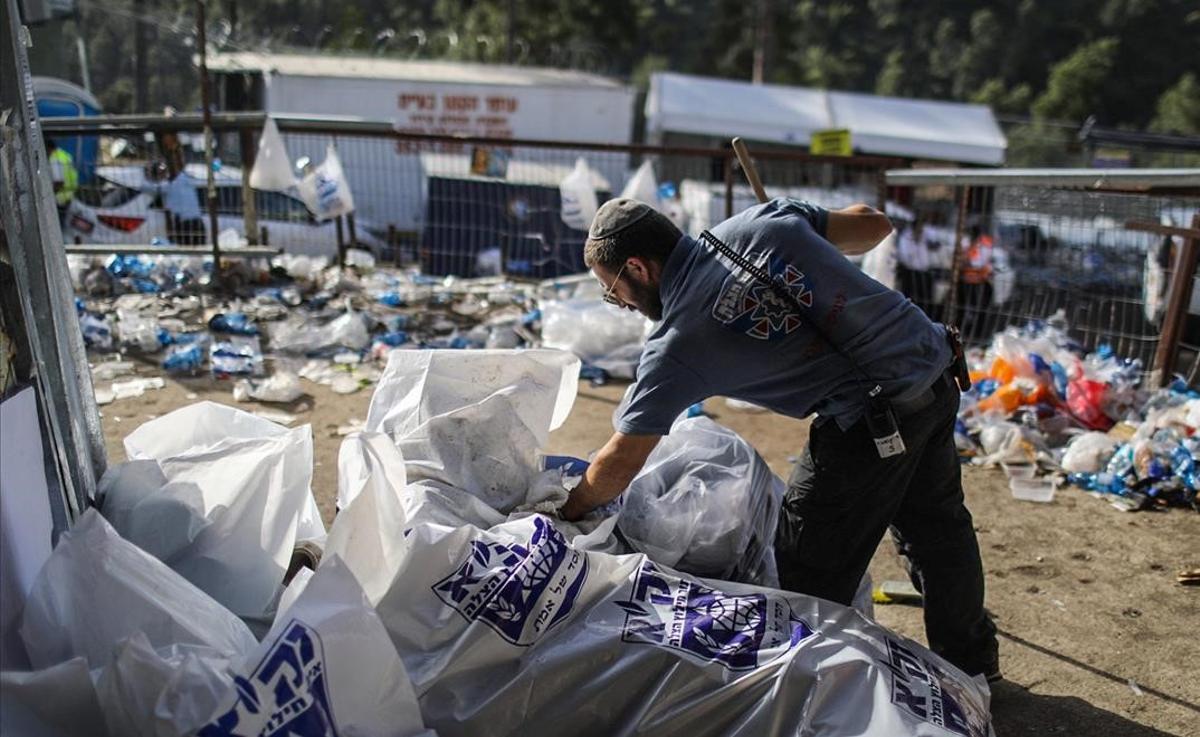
<point>283,387</point>
<point>707,504</point>
<point>249,479</point>
<point>300,336</point>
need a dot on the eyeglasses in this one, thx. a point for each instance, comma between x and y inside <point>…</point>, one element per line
<point>609,297</point>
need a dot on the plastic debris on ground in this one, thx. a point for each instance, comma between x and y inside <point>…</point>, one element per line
<point>1048,411</point>
<point>448,590</point>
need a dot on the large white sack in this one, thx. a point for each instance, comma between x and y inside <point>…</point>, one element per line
<point>58,701</point>
<point>705,503</point>
<point>600,334</point>
<point>474,420</point>
<point>325,668</point>
<point>253,478</point>
<point>512,630</point>
<point>97,589</point>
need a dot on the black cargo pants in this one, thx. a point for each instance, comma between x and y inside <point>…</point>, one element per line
<point>842,497</point>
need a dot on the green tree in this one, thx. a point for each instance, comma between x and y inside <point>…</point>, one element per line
<point>1178,109</point>
<point>1077,83</point>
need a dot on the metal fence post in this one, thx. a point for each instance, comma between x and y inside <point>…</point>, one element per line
<point>963,194</point>
<point>249,207</point>
<point>341,243</point>
<point>206,103</point>
<point>1175,318</point>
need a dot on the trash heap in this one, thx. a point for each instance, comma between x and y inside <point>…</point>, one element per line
<point>1045,409</point>
<point>305,319</point>
<point>450,599</point>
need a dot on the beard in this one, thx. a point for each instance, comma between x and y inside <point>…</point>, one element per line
<point>646,299</point>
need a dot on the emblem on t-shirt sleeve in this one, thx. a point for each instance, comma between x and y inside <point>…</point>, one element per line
<point>751,307</point>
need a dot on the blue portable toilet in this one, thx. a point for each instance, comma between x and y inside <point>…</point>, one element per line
<point>58,98</point>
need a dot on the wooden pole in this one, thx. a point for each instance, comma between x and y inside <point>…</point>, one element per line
<point>1178,301</point>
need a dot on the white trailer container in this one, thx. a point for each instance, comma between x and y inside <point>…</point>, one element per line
<point>430,97</point>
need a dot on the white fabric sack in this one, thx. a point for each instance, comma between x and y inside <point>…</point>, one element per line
<point>325,190</point>
<point>578,197</point>
<point>326,668</point>
<point>642,186</point>
<point>705,503</point>
<point>58,701</point>
<point>254,481</point>
<point>515,615</point>
<point>600,334</point>
<point>272,167</point>
<point>98,589</point>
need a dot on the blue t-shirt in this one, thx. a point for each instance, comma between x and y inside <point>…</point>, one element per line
<point>725,333</point>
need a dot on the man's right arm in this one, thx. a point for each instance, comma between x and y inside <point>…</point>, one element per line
<point>616,465</point>
<point>856,229</point>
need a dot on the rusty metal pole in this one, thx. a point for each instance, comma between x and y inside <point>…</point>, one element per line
<point>1180,297</point>
<point>963,193</point>
<point>206,103</point>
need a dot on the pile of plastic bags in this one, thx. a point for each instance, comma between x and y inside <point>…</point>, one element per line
<point>450,598</point>
<point>1040,402</point>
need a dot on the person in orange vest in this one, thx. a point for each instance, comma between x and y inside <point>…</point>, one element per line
<point>975,282</point>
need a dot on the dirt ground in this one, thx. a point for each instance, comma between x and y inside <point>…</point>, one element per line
<point>1096,636</point>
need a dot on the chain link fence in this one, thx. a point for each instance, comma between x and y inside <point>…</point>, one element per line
<point>993,254</point>
<point>448,205</point>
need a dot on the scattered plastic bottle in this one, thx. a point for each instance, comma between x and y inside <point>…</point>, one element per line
<point>236,323</point>
<point>184,359</point>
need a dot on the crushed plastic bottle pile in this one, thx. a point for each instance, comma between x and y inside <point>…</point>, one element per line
<point>1046,409</point>
<point>303,318</point>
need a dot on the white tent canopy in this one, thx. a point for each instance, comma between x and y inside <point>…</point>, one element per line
<point>886,126</point>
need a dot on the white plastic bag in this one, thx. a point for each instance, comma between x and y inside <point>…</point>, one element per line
<point>254,480</point>
<point>474,419</point>
<point>707,504</point>
<point>97,589</point>
<point>642,186</point>
<point>282,387</point>
<point>348,330</point>
<point>326,668</point>
<point>272,168</point>
<point>163,692</point>
<point>516,615</point>
<point>880,262</point>
<point>325,190</point>
<point>1088,453</point>
<point>599,334</point>
<point>578,197</point>
<point>58,701</point>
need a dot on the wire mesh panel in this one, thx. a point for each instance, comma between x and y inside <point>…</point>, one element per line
<point>448,205</point>
<point>1032,251</point>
